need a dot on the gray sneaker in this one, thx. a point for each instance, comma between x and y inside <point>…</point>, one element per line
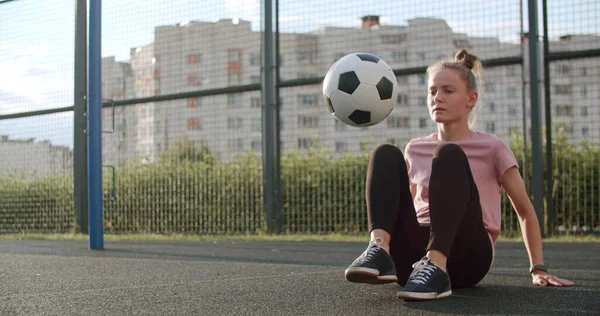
<point>373,266</point>
<point>426,282</point>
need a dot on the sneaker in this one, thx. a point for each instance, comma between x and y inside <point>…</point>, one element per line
<point>426,282</point>
<point>373,266</point>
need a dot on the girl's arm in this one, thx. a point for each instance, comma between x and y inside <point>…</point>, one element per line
<point>515,189</point>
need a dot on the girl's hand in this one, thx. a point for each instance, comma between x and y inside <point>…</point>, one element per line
<point>542,278</point>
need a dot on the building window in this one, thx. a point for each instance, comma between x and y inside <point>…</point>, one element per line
<point>489,87</point>
<point>563,69</point>
<point>339,126</point>
<point>194,58</point>
<point>157,86</point>
<point>194,124</point>
<point>512,111</point>
<point>234,122</point>
<point>423,122</point>
<point>402,100</point>
<point>422,79</point>
<point>235,144</point>
<point>585,131</point>
<point>308,121</point>
<point>255,102</point>
<point>564,110</point>
<point>305,142</point>
<point>492,107</point>
<point>398,122</point>
<point>422,100</point>
<point>234,55</point>
<point>512,71</point>
<point>256,124</point>
<point>255,79</point>
<point>234,99</point>
<point>192,102</point>
<point>234,79</point>
<point>568,129</point>
<point>421,56</point>
<point>193,81</point>
<point>341,146</point>
<point>584,111</point>
<point>512,92</point>
<point>393,38</point>
<point>256,145</point>
<point>396,56</point>
<point>490,127</point>
<point>254,59</point>
<point>562,89</point>
<point>305,58</point>
<point>308,99</point>
<point>584,91</point>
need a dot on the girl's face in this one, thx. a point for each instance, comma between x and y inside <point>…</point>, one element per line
<point>448,99</point>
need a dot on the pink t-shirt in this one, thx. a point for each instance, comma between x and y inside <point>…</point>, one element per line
<point>489,157</point>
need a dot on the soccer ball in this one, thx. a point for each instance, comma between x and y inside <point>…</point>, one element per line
<point>360,89</point>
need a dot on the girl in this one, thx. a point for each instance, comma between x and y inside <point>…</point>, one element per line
<point>440,204</point>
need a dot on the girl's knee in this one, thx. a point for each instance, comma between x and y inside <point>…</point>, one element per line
<point>449,151</point>
<point>388,151</point>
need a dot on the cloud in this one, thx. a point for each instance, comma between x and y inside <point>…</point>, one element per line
<point>245,10</point>
<point>11,102</point>
<point>33,78</point>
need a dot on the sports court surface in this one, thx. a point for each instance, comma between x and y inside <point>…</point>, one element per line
<point>266,278</point>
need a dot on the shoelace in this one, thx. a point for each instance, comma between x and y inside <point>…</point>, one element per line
<point>371,251</point>
<point>423,274</point>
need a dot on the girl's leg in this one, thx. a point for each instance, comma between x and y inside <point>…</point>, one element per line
<point>392,222</point>
<point>458,234</point>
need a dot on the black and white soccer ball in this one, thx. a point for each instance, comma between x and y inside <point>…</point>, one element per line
<point>360,89</point>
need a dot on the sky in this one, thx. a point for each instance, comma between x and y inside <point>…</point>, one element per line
<point>36,38</point>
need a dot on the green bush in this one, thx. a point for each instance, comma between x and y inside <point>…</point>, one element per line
<point>44,205</point>
<point>190,191</point>
<point>575,178</point>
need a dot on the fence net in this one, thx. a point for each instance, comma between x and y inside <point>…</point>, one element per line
<point>192,164</point>
<point>36,161</point>
<point>574,99</point>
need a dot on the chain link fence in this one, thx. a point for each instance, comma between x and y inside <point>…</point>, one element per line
<point>184,132</point>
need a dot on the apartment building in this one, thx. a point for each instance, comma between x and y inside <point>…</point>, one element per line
<point>213,55</point>
<point>31,160</point>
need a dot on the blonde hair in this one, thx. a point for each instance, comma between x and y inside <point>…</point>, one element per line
<point>469,68</point>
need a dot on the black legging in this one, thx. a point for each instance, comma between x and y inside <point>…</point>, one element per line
<point>456,228</point>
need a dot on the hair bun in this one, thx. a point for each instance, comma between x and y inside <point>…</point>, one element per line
<point>464,57</point>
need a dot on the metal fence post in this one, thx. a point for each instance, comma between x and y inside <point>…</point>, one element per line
<point>94,130</point>
<point>535,71</point>
<point>270,131</point>
<point>80,186</point>
<point>548,115</point>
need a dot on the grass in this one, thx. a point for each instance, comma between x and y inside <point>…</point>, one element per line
<point>255,237</point>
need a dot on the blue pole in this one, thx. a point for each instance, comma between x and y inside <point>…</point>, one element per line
<point>96,221</point>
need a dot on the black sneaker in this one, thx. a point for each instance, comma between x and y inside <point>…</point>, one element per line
<point>373,266</point>
<point>426,282</point>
